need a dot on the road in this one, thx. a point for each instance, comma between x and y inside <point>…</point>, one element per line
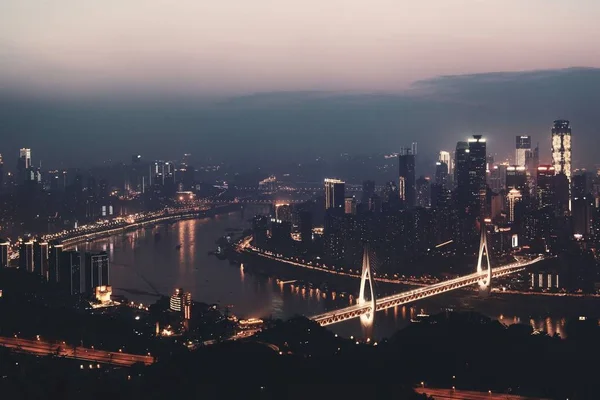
<point>42,348</point>
<point>440,394</point>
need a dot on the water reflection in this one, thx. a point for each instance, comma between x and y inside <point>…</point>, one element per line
<point>141,262</point>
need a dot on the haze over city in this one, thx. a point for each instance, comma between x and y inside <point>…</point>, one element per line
<point>283,78</point>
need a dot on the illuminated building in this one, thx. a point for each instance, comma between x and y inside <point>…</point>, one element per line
<point>26,255</point>
<point>350,206</point>
<point>97,271</point>
<point>181,302</point>
<point>4,244</point>
<point>54,260</point>
<point>423,192</point>
<point>513,197</point>
<point>40,258</point>
<point>103,293</point>
<point>477,175</point>
<point>461,174</point>
<point>334,194</point>
<point>441,173</point>
<point>516,178</point>
<point>523,147</point>
<point>561,148</point>
<point>305,227</point>
<point>283,212</point>
<point>407,176</point>
<point>444,157</point>
<point>497,178</point>
<point>69,275</point>
<point>583,206</point>
<point>545,185</point>
<point>268,184</point>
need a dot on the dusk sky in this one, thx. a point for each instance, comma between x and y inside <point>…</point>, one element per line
<point>228,47</point>
<point>83,81</point>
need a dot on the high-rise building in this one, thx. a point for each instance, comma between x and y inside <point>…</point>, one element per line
<point>26,255</point>
<point>516,178</point>
<point>54,261</point>
<point>561,148</point>
<point>4,244</point>
<point>350,205</point>
<point>477,175</point>
<point>23,164</point>
<point>283,212</point>
<point>40,258</point>
<point>423,192</point>
<point>441,173</point>
<point>407,177</point>
<point>334,194</point>
<point>70,272</point>
<point>1,174</point>
<point>513,197</point>
<point>497,178</point>
<point>181,302</point>
<point>461,175</point>
<point>523,148</point>
<point>545,186</point>
<point>444,157</point>
<point>97,271</point>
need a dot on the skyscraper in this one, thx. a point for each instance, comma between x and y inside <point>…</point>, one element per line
<point>40,258</point>
<point>1,174</point>
<point>334,194</point>
<point>445,158</point>
<point>461,175</point>
<point>97,271</point>
<point>561,147</point>
<point>477,175</point>
<point>23,164</point>
<point>423,192</point>
<point>368,191</point>
<point>70,272</point>
<point>441,173</point>
<point>516,178</point>
<point>4,253</point>
<point>545,186</point>
<point>522,149</point>
<point>407,178</point>
<point>54,261</point>
<point>26,255</point>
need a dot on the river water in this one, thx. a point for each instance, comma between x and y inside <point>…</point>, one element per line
<point>146,262</point>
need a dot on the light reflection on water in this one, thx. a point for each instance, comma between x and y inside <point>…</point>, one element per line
<point>149,257</point>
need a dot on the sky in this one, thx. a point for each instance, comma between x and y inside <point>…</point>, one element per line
<point>85,81</point>
<point>232,47</point>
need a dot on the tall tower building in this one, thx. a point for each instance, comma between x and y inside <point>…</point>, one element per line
<point>561,147</point>
<point>26,255</point>
<point>461,174</point>
<point>523,149</point>
<point>334,194</point>
<point>407,178</point>
<point>445,158</point>
<point>23,164</point>
<point>97,271</point>
<point>70,272</point>
<point>477,175</point>
<point>545,185</point>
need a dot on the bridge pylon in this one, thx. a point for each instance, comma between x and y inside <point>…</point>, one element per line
<point>485,284</point>
<point>368,318</point>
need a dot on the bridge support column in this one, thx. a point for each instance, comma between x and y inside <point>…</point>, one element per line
<point>485,285</point>
<point>368,318</point>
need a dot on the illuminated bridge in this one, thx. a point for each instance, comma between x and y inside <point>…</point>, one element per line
<point>364,308</point>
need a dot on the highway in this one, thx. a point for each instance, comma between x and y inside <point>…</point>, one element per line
<point>43,348</point>
<point>441,394</point>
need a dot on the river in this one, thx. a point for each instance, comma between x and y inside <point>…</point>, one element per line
<point>146,262</point>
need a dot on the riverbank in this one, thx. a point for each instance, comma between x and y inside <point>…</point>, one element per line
<point>169,218</point>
